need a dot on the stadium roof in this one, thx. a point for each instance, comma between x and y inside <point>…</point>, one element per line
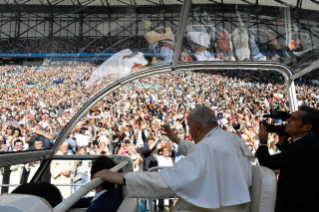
<point>305,4</point>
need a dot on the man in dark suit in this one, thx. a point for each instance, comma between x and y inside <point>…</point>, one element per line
<point>298,184</point>
<point>107,197</point>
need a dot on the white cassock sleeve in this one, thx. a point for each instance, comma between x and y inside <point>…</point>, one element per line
<point>151,184</point>
<point>29,166</point>
<point>185,147</point>
<point>1,176</point>
<point>147,185</point>
<point>1,172</point>
<point>32,168</point>
<point>55,171</point>
<point>72,168</point>
<point>14,167</point>
<point>57,167</point>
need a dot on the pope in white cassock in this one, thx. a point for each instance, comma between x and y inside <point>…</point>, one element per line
<point>62,171</point>
<point>214,176</point>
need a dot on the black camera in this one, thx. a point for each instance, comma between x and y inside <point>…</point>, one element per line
<point>279,130</point>
<point>278,114</point>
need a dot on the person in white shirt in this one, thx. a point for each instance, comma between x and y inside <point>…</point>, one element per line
<point>82,169</point>
<point>84,136</point>
<point>44,122</point>
<point>164,159</point>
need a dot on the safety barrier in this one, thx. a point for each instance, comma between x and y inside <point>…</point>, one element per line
<point>155,169</point>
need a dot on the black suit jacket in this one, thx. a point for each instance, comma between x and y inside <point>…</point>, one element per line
<point>298,183</point>
<point>107,202</point>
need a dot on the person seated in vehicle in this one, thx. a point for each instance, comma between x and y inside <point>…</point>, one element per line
<point>45,190</point>
<point>107,197</point>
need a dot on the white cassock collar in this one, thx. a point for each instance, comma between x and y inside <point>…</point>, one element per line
<point>210,132</point>
<point>216,173</point>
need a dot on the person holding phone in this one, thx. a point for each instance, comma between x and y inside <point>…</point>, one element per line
<point>124,147</point>
<point>36,134</point>
<point>17,135</point>
<point>147,152</point>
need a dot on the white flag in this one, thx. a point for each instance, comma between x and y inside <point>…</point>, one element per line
<point>266,102</point>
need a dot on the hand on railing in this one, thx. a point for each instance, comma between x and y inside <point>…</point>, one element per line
<point>71,200</point>
<point>110,176</point>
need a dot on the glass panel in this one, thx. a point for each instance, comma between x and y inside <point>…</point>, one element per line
<point>68,57</point>
<point>272,32</point>
<point>57,173</point>
<point>307,89</point>
<point>128,120</point>
<point>12,176</point>
<point>73,172</point>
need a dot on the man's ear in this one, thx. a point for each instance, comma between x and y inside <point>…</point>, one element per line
<point>308,127</point>
<point>198,126</point>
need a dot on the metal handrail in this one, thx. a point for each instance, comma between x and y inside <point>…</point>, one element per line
<point>154,169</point>
<point>70,184</point>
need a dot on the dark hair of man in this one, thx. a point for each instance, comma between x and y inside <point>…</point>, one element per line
<point>311,116</point>
<point>44,190</point>
<point>17,141</point>
<point>100,163</point>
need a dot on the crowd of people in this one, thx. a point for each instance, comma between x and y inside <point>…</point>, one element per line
<point>36,107</point>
